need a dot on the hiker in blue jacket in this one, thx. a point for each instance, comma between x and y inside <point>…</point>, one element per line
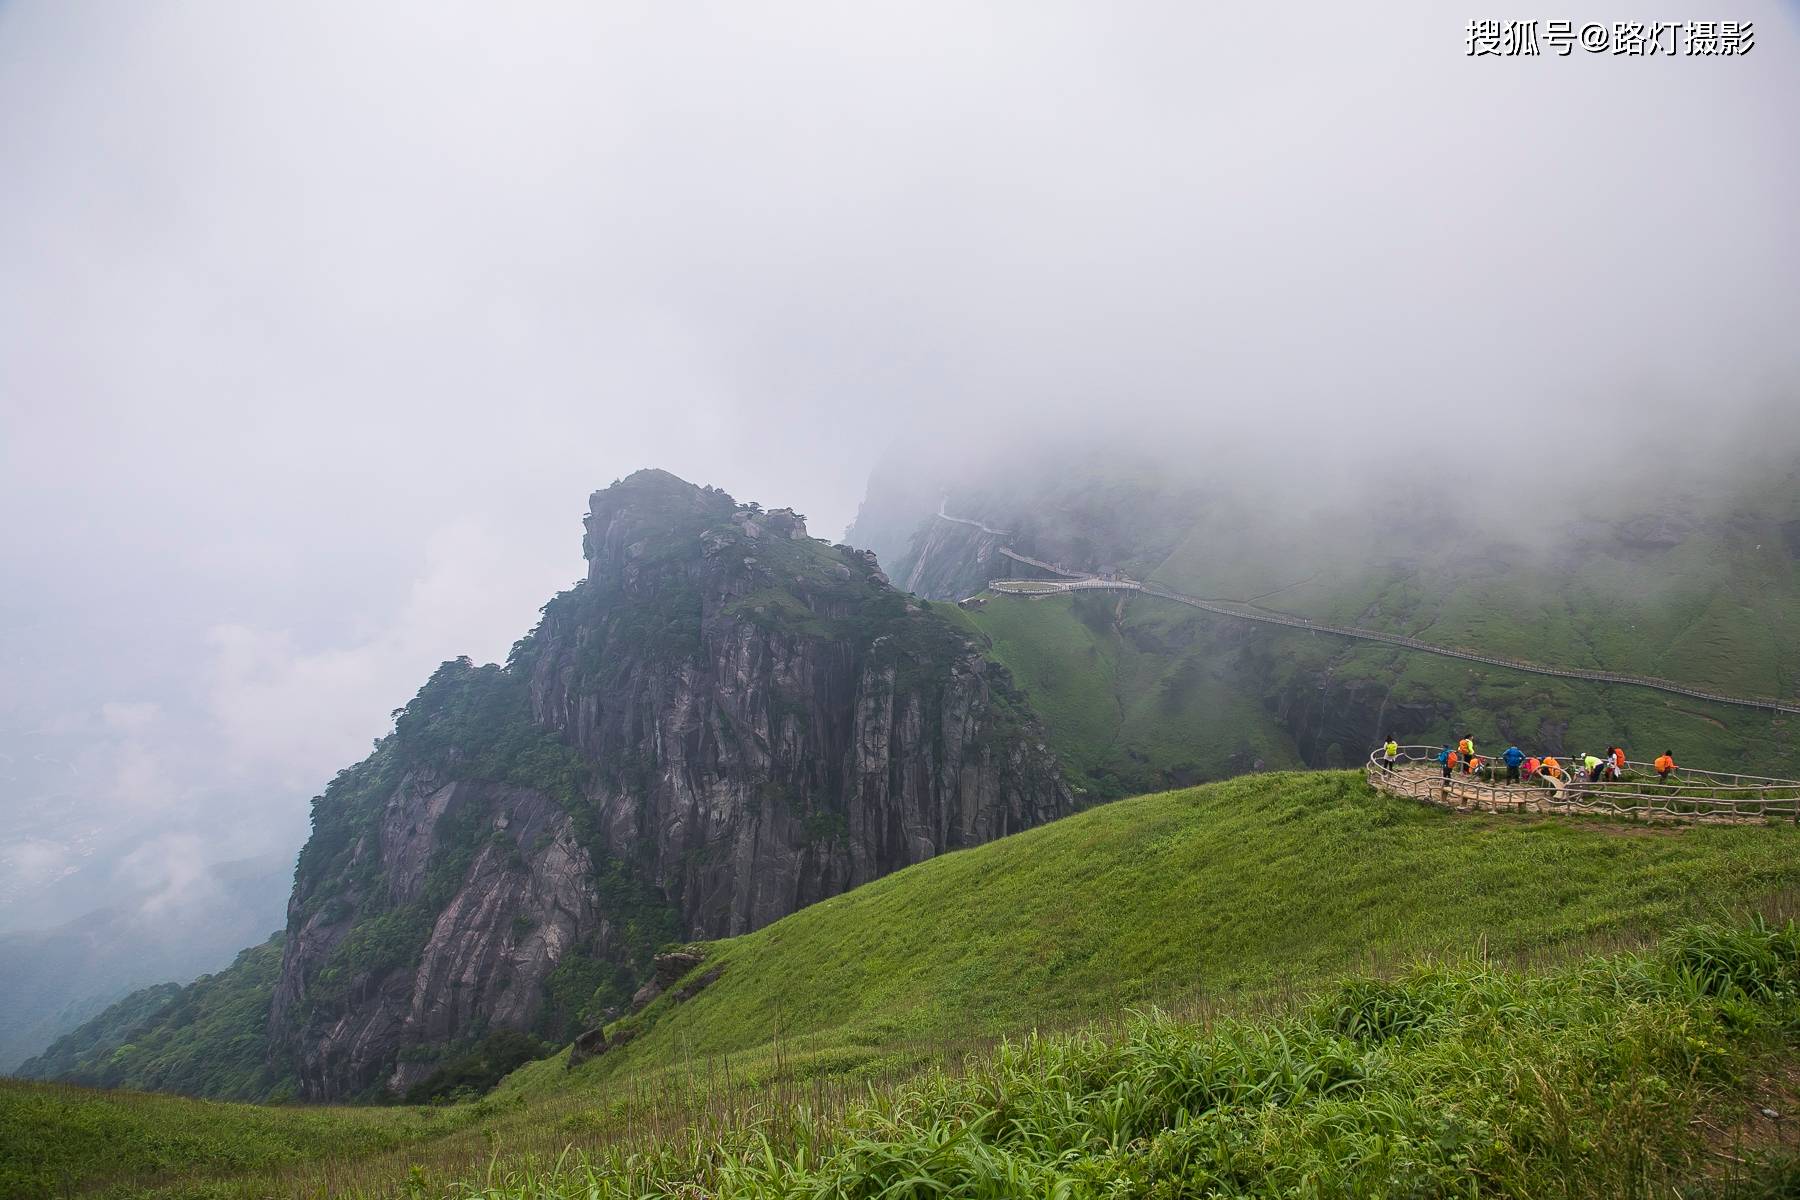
<point>1443,757</point>
<point>1513,757</point>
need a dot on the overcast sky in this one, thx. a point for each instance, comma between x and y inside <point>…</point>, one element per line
<point>318,322</point>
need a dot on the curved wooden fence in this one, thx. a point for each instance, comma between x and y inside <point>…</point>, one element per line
<point>1695,796</point>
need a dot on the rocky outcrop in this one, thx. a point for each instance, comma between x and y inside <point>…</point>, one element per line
<point>809,730</point>
<point>951,561</point>
<point>666,971</point>
<point>590,1043</point>
<point>726,720</point>
<point>524,896</point>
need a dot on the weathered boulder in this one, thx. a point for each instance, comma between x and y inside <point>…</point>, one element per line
<point>666,970</point>
<point>588,1044</point>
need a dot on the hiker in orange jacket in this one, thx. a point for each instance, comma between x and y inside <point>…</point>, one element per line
<point>1665,765</point>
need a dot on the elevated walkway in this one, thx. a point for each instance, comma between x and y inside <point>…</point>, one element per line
<point>1040,564</point>
<point>1072,582</point>
<point>1692,796</point>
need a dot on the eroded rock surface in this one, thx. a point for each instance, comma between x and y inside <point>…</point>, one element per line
<point>725,721</point>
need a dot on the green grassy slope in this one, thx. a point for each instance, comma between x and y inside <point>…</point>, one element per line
<point>1636,1075</point>
<point>1235,890</point>
<point>1235,896</point>
<point>1705,591</point>
<point>57,1140</point>
<point>206,1038</point>
<point>1129,708</point>
<point>1149,694</point>
<point>1708,595</point>
<point>1701,586</point>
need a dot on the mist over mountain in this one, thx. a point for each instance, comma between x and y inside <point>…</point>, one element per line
<point>51,980</point>
<point>1205,395</point>
<point>725,721</point>
<point>252,527</point>
<point>1635,558</point>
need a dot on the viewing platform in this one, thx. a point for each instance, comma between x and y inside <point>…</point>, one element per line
<point>1691,796</point>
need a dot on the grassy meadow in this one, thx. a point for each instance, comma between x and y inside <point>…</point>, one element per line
<point>63,1140</point>
<point>1241,902</point>
<point>1651,1074</point>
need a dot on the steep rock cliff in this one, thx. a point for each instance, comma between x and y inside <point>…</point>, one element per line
<point>724,721</point>
<point>775,723</point>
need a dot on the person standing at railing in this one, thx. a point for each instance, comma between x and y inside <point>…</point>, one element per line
<point>1447,757</point>
<point>1389,753</point>
<point>1618,762</point>
<point>1466,748</point>
<point>1513,758</point>
<point>1665,765</point>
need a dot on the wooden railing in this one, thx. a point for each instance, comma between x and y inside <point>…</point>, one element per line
<point>1698,796</point>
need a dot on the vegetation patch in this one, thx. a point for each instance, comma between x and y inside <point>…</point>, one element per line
<point>1248,897</point>
<point>1597,1079</point>
<point>1237,891</point>
<point>475,1072</point>
<point>206,1038</point>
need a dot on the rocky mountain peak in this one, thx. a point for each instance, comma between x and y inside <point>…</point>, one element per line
<point>725,721</point>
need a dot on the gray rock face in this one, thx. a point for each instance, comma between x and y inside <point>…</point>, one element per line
<point>764,723</point>
<point>948,561</point>
<point>807,743</point>
<point>526,895</point>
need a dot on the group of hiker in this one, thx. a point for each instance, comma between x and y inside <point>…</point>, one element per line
<point>1520,766</point>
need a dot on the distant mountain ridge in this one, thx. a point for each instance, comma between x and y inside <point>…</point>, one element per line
<point>52,980</point>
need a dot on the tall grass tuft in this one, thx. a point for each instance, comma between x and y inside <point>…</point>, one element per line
<point>1450,1081</point>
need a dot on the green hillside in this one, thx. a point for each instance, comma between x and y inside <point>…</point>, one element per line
<point>58,1140</point>
<point>1698,581</point>
<point>1635,1075</point>
<point>1703,589</point>
<point>1233,892</point>
<point>1132,694</point>
<point>1245,897</point>
<point>1145,694</point>
<point>205,1038</point>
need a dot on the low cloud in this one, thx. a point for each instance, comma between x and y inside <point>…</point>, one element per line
<point>296,715</point>
<point>294,291</point>
<point>171,872</point>
<point>152,797</point>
